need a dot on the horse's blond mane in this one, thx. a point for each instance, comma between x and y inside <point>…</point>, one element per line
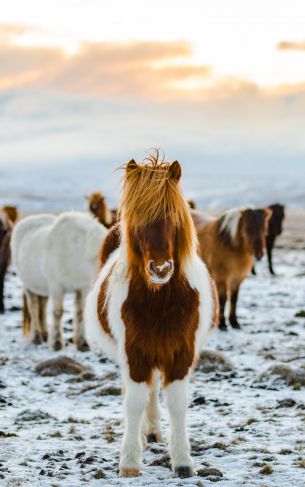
<point>150,193</point>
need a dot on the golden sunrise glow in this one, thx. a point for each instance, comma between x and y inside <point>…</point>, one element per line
<point>235,38</point>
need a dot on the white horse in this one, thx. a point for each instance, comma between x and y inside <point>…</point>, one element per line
<point>53,256</point>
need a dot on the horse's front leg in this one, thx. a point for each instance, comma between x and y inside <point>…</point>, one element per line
<point>56,335</point>
<point>135,401</point>
<point>79,338</point>
<point>43,302</point>
<point>152,413</point>
<point>269,245</point>
<point>233,302</point>
<point>2,308</point>
<point>179,448</point>
<point>36,333</point>
<point>222,305</point>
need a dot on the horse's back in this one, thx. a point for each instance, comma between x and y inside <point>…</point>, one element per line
<point>201,219</point>
<point>27,226</point>
<point>73,244</point>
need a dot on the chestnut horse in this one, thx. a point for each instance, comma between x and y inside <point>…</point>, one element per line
<point>8,217</point>
<point>227,246</point>
<point>99,208</point>
<point>151,308</point>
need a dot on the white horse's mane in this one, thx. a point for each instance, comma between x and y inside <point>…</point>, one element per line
<point>230,220</point>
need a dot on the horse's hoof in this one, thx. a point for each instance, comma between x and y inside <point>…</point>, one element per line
<point>82,345</point>
<point>129,472</point>
<point>45,337</point>
<point>223,327</point>
<point>57,345</point>
<point>151,438</point>
<point>184,472</point>
<point>154,437</point>
<point>235,325</point>
<point>2,311</point>
<point>37,339</point>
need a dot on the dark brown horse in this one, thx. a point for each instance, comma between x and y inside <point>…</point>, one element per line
<point>275,228</point>
<point>8,216</point>
<point>227,246</point>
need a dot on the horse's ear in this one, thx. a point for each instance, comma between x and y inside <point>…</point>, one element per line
<point>175,171</point>
<point>131,165</point>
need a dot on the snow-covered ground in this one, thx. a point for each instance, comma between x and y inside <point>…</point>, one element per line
<point>64,431</point>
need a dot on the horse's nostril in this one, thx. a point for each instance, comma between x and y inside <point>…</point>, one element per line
<point>151,266</point>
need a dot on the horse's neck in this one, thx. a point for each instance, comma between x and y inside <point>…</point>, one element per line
<point>105,216</point>
<point>235,242</point>
<point>165,295</point>
<point>139,281</point>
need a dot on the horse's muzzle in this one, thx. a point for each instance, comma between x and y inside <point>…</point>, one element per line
<point>160,274</point>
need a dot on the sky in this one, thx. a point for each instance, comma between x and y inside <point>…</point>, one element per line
<point>218,84</point>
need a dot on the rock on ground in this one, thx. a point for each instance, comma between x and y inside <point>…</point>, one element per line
<point>60,365</point>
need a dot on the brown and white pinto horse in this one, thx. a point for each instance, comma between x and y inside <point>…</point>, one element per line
<point>227,246</point>
<point>99,208</point>
<point>151,308</point>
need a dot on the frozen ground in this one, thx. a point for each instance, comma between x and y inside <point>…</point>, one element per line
<point>64,431</point>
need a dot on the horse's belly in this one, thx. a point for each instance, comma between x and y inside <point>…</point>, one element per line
<point>70,271</point>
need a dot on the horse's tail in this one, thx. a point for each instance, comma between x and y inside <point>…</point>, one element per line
<point>215,298</point>
<point>26,322</point>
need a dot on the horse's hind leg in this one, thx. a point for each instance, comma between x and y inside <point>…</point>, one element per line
<point>2,308</point>
<point>43,301</point>
<point>79,338</point>
<point>222,294</point>
<point>179,448</point>
<point>233,302</point>
<point>36,333</point>
<point>270,243</point>
<point>152,413</point>
<point>56,338</point>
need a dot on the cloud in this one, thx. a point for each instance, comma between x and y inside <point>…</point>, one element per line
<point>121,69</point>
<point>133,69</point>
<point>9,32</point>
<point>291,46</point>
